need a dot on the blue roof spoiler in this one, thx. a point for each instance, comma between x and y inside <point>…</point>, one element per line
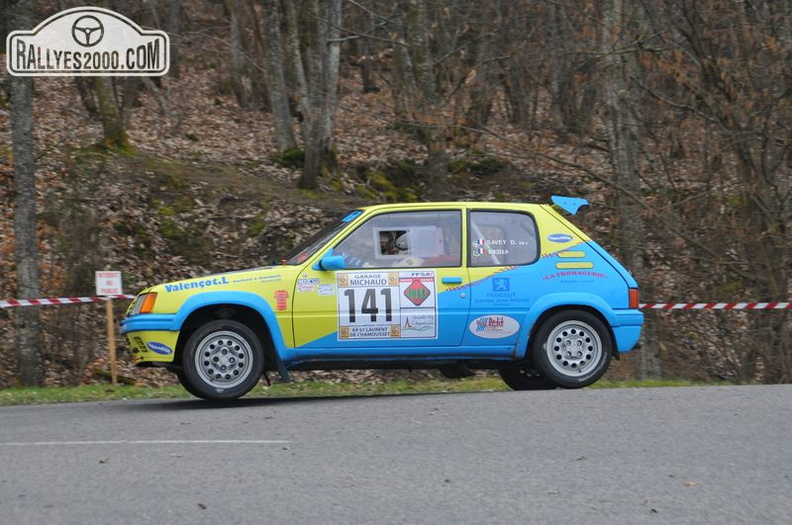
<point>570,205</point>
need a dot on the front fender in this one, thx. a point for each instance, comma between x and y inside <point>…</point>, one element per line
<point>566,300</point>
<point>247,299</point>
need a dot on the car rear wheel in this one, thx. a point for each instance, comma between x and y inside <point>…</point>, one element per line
<point>521,377</point>
<point>572,348</point>
<point>222,360</point>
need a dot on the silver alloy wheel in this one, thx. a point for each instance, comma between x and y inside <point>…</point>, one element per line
<point>573,347</point>
<point>223,359</point>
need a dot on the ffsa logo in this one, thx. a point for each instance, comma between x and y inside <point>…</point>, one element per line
<point>87,41</point>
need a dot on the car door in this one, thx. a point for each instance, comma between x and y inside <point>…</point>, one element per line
<point>503,247</point>
<point>400,292</point>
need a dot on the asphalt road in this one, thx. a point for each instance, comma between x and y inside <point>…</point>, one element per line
<point>672,455</point>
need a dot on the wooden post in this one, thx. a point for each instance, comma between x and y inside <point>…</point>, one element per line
<point>111,342</point>
<point>108,283</point>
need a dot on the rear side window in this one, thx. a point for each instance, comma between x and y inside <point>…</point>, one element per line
<point>502,239</point>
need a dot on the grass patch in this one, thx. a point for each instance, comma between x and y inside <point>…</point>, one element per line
<point>80,394</point>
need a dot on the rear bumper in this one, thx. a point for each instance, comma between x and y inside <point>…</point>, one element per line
<point>627,329</point>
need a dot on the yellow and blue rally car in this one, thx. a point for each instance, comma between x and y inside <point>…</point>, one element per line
<point>453,286</point>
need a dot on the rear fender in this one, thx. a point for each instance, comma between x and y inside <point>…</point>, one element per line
<point>563,301</point>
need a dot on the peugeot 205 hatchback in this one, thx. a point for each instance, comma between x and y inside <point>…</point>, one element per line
<point>455,286</point>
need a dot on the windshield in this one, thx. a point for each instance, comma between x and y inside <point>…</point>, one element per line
<point>307,248</point>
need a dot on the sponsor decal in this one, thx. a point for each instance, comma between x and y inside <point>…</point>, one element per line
<point>557,275</point>
<point>386,305</point>
<point>559,237</point>
<point>494,326</point>
<point>159,348</point>
<point>499,294</point>
<point>500,284</point>
<point>193,285</point>
<point>88,41</point>
<point>269,278</point>
<point>307,285</point>
<point>417,292</point>
<point>416,325</point>
<point>572,254</point>
<point>579,265</point>
<point>281,300</point>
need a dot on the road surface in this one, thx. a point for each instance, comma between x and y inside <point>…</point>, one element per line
<point>632,456</point>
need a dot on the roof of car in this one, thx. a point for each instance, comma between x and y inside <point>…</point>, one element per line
<point>451,204</point>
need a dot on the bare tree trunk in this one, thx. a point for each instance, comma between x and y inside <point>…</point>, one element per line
<point>26,320</point>
<point>276,65</point>
<point>480,78</point>
<point>115,136</point>
<point>317,34</point>
<point>87,95</point>
<point>624,125</point>
<point>402,80</point>
<point>237,56</point>
<point>5,28</point>
<point>367,54</point>
<point>427,107</point>
<point>174,32</point>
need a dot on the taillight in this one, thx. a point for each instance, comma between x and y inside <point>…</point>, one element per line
<point>633,298</point>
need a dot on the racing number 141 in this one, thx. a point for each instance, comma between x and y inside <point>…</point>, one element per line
<point>369,305</point>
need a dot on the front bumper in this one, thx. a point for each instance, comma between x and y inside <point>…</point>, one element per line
<point>150,338</point>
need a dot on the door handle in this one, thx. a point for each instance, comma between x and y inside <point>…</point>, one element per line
<point>451,280</point>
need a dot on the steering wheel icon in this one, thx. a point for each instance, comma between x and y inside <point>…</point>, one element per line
<point>87,31</point>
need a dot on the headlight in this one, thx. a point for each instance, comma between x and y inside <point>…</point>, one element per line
<point>143,304</point>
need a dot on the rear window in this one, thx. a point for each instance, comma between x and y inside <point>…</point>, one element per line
<point>502,239</point>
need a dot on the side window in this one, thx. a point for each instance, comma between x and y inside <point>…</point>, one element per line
<point>502,239</point>
<point>405,240</point>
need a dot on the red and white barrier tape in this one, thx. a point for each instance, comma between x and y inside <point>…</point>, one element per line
<point>50,301</point>
<point>716,306</point>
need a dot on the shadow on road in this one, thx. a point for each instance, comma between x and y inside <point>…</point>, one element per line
<point>248,402</point>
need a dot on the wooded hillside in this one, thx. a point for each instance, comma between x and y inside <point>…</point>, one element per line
<point>671,117</point>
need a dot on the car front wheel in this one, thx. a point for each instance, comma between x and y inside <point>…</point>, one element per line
<point>222,360</point>
<point>572,348</point>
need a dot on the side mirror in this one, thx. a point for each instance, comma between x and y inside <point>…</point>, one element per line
<point>331,263</point>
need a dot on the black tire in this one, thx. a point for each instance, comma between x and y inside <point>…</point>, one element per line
<point>456,371</point>
<point>222,360</point>
<point>572,348</point>
<point>188,386</point>
<point>520,377</point>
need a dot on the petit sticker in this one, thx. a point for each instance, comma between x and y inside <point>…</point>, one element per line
<point>494,326</point>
